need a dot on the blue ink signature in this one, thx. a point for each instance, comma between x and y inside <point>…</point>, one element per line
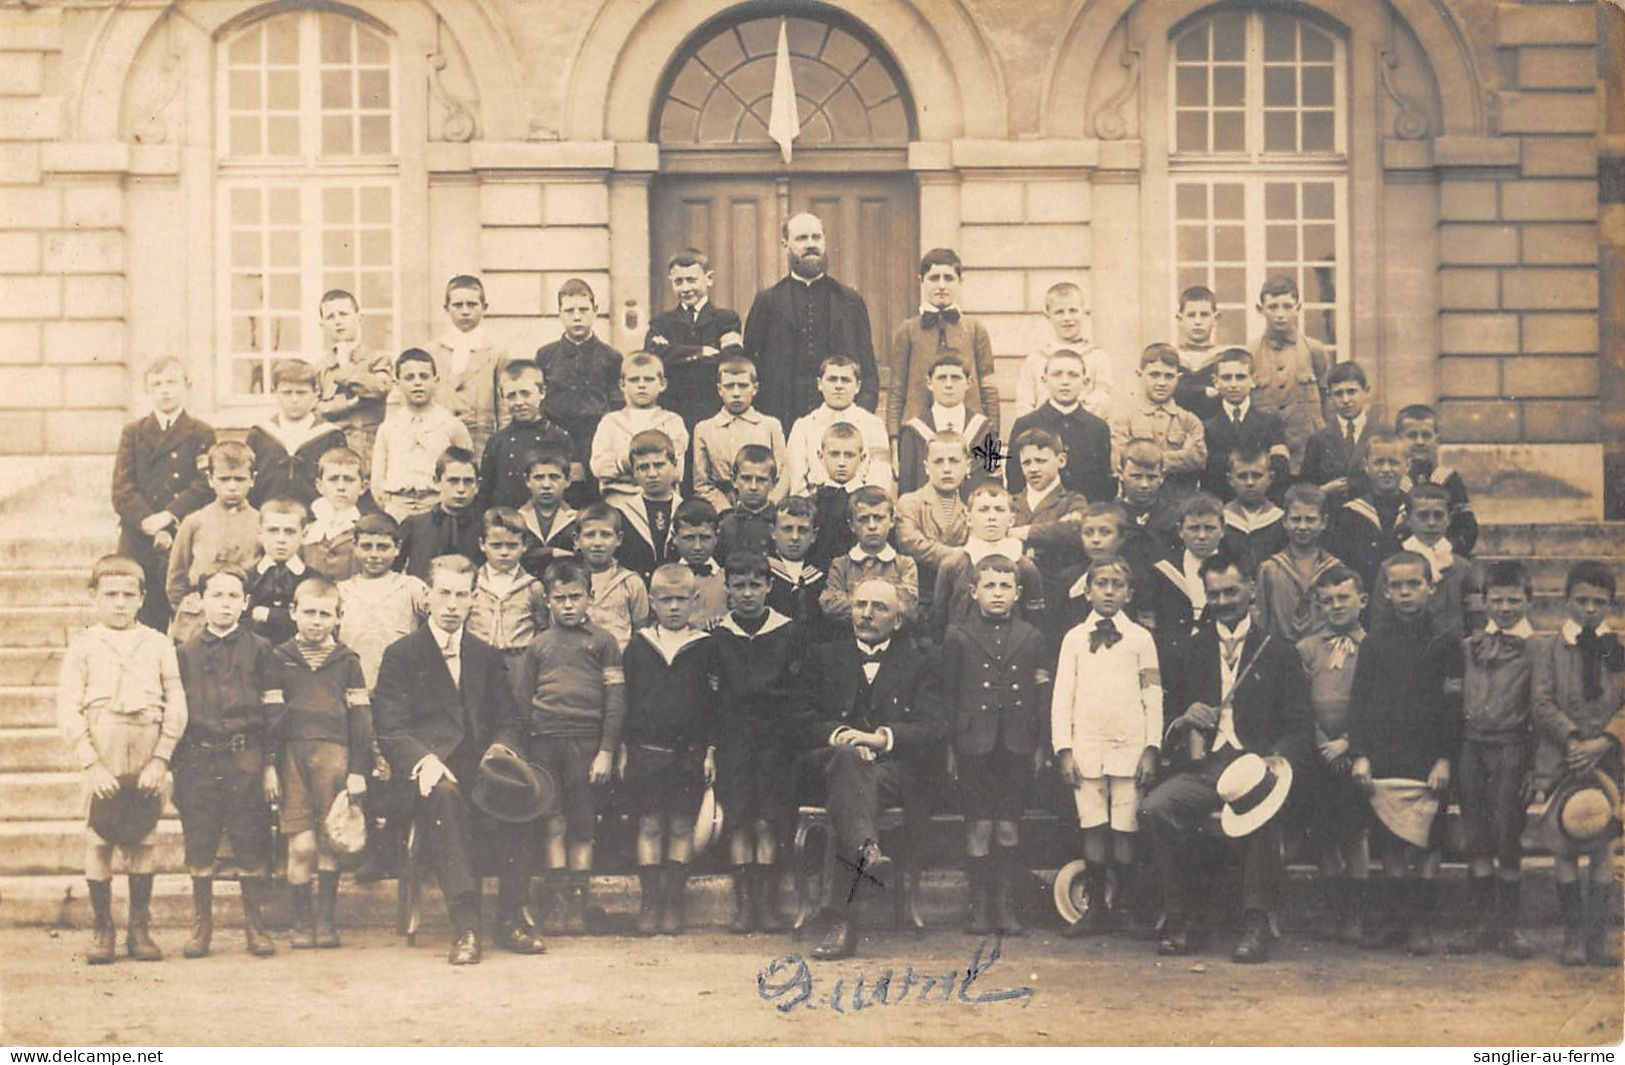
<point>789,983</point>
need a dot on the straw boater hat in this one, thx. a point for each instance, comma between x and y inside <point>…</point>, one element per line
<point>1583,810</point>
<point>510,789</point>
<point>1406,807</point>
<point>345,827</point>
<point>1072,899</point>
<point>1253,789</point>
<point>708,825</point>
<point>128,816</point>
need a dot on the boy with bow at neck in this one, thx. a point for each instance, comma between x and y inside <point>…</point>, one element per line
<point>471,362</point>
<point>694,539</point>
<point>948,414</point>
<point>920,344</point>
<point>1579,709</point>
<point>1418,427</point>
<point>872,556</point>
<point>159,477</point>
<point>692,337</point>
<point>1494,762</point>
<point>1457,601</point>
<point>1106,728</point>
<point>1369,527</point>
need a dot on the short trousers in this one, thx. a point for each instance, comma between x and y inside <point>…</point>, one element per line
<point>1335,811</point>
<point>994,786</point>
<point>569,760</point>
<point>1490,780</point>
<point>312,773</point>
<point>1113,799</point>
<point>664,782</point>
<point>219,791</point>
<point>754,771</point>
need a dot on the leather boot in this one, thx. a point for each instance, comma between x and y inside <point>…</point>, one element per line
<point>1352,930</point>
<point>1006,868</point>
<point>327,904</point>
<point>1599,930</point>
<point>259,944</point>
<point>1512,942</point>
<point>103,936</point>
<point>649,900</point>
<point>980,921</point>
<point>1419,934</point>
<point>202,918</point>
<point>1480,934</point>
<point>138,938</point>
<point>549,906</point>
<point>674,909</point>
<point>744,921</point>
<point>1572,952</point>
<point>576,895</point>
<point>767,899</point>
<point>304,917</point>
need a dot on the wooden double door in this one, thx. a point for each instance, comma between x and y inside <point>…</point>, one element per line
<point>871,226</point>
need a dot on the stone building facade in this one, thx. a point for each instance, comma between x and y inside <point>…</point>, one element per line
<point>186,178</point>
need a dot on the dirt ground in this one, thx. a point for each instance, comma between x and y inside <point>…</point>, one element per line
<point>704,989</point>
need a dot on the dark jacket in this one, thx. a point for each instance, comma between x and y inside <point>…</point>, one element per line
<point>328,704</point>
<point>280,475</point>
<point>424,537</point>
<point>226,678</point>
<point>1270,706</point>
<point>763,676</point>
<point>1405,702</point>
<point>272,588</point>
<point>583,384</point>
<point>691,379</point>
<point>671,704</point>
<point>990,684</point>
<point>161,470</point>
<point>420,711</point>
<point>1258,426</point>
<point>788,367</point>
<point>1088,443</point>
<point>507,452</point>
<point>1328,456</point>
<point>906,697</point>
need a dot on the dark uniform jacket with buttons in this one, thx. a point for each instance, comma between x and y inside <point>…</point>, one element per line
<point>905,697</point>
<point>788,346</point>
<point>158,469</point>
<point>508,451</point>
<point>992,686</point>
<point>678,337</point>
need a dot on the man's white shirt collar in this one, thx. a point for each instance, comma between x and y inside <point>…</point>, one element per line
<point>886,554</point>
<point>296,565</point>
<point>876,649</point>
<point>1439,554</point>
<point>1009,547</point>
<point>1523,630</point>
<point>1571,631</point>
<point>1237,412</point>
<point>450,643</point>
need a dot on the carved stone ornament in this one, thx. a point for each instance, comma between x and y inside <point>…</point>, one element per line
<point>1412,123</point>
<point>153,128</point>
<point>1110,121</point>
<point>458,125</point>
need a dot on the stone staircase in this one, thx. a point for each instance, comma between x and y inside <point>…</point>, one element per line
<point>43,598</point>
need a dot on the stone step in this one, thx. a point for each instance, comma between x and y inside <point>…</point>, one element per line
<point>46,795</point>
<point>42,626</point>
<point>34,750</point>
<point>1598,539</point>
<point>21,548</point>
<point>59,900</point>
<point>32,847</point>
<point>45,587</point>
<point>30,666</point>
<point>27,707</point>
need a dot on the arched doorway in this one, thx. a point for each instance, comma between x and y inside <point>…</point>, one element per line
<point>724,188</point>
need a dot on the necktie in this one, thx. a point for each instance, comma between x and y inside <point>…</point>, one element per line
<point>1235,418</point>
<point>694,315</point>
<point>1230,646</point>
<point>929,319</point>
<point>1597,651</point>
<point>701,569</point>
<point>1105,634</point>
<point>1348,431</point>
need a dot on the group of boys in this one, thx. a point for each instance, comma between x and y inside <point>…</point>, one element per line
<point>659,588</point>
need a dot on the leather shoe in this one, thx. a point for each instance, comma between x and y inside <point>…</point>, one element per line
<point>841,941</point>
<point>1178,939</point>
<point>873,862</point>
<point>465,949</point>
<point>1254,946</point>
<point>516,937</point>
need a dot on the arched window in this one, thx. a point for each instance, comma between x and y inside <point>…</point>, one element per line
<point>1257,160</point>
<point>307,162</point>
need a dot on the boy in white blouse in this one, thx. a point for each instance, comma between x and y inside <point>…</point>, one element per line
<point>1106,728</point>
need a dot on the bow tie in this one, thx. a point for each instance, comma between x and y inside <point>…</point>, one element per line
<point>1341,648</point>
<point>1421,470</point>
<point>1598,651</point>
<point>701,569</point>
<point>929,319</point>
<point>1488,647</point>
<point>1104,635</point>
<point>870,656</point>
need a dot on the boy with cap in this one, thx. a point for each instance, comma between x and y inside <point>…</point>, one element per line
<point>121,708</point>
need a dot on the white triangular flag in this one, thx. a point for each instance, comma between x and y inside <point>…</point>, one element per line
<point>783,123</point>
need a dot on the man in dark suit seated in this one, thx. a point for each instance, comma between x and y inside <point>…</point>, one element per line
<point>1233,689</point>
<point>877,726</point>
<point>442,702</point>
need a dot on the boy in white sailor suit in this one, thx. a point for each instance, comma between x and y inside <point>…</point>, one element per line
<point>947,413</point>
<point>1106,728</point>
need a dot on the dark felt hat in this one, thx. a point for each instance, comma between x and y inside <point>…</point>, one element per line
<point>510,789</point>
<point>128,816</point>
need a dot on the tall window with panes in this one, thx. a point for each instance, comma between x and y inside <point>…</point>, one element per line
<point>307,189</point>
<point>1258,166</point>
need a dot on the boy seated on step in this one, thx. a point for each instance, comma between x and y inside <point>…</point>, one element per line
<point>643,380</point>
<point>1458,597</point>
<point>1175,598</point>
<point>121,709</point>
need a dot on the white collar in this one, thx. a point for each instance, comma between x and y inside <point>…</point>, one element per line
<point>1009,547</point>
<point>808,281</point>
<point>670,644</point>
<point>296,565</point>
<point>1033,500</point>
<point>956,415</point>
<point>1439,554</point>
<point>488,576</point>
<point>167,420</point>
<point>1238,411</point>
<point>694,311</point>
<point>877,649</point>
<point>1190,566</point>
<point>321,511</point>
<point>775,620</point>
<point>1247,521</point>
<point>293,435</point>
<point>1523,630</point>
<point>1359,423</point>
<point>447,642</point>
<point>825,412</point>
<point>1571,631</point>
<point>1073,409</point>
<point>886,554</point>
<point>457,340</point>
<point>750,416</point>
<point>926,308</point>
<point>1240,632</point>
<point>221,635</point>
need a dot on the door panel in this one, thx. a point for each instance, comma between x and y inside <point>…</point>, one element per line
<point>871,222</point>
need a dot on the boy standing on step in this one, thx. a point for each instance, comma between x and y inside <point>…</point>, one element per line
<point>121,707</point>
